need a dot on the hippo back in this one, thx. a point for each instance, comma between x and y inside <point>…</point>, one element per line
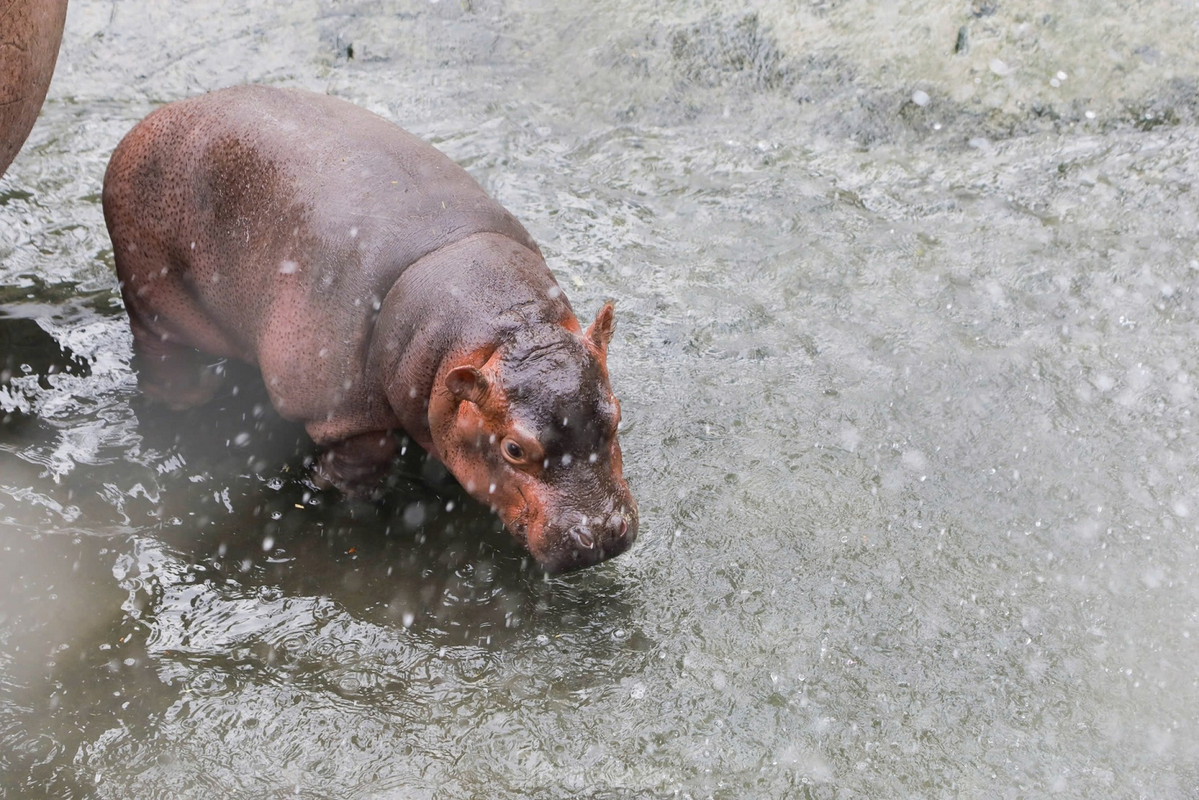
<point>268,225</point>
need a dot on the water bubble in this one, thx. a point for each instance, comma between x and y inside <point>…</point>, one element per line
<point>268,544</point>
<point>288,268</point>
<point>921,98</point>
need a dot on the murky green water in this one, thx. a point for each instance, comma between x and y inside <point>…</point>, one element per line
<point>907,348</point>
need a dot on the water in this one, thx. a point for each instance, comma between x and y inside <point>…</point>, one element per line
<point>906,350</point>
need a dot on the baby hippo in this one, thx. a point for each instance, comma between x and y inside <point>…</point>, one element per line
<point>376,286</point>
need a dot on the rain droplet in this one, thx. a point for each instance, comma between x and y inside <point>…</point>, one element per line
<point>414,515</point>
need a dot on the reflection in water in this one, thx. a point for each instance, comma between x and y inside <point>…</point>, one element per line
<point>906,355</point>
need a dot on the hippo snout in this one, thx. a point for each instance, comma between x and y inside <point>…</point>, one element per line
<point>590,540</point>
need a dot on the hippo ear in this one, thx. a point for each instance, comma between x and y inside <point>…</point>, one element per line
<point>466,383</point>
<point>600,332</point>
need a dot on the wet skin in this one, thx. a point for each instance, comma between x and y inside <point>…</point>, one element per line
<point>30,33</point>
<point>377,287</point>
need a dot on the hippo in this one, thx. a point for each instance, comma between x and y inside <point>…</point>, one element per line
<point>30,33</point>
<point>377,287</point>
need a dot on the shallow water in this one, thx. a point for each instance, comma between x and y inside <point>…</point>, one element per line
<point>907,354</point>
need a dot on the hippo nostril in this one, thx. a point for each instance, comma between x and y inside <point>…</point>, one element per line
<point>582,538</point>
<point>618,524</point>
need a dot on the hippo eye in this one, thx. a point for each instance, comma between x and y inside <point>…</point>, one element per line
<point>513,451</point>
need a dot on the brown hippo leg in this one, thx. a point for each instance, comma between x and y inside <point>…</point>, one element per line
<point>30,33</point>
<point>355,465</point>
<point>174,374</point>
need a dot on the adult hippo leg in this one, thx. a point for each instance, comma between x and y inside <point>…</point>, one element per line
<point>30,33</point>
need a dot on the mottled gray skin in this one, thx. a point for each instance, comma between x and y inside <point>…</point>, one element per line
<point>377,287</point>
<point>30,33</point>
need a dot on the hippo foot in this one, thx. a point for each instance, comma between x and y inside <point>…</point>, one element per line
<point>178,376</point>
<point>356,466</point>
<point>179,393</point>
<point>364,488</point>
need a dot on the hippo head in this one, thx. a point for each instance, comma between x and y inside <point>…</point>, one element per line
<point>532,433</point>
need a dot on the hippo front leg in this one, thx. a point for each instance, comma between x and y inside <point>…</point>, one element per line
<point>174,374</point>
<point>355,465</point>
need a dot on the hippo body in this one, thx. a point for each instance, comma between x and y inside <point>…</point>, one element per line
<point>30,34</point>
<point>377,287</point>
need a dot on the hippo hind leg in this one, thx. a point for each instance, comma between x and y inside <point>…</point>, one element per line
<point>171,373</point>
